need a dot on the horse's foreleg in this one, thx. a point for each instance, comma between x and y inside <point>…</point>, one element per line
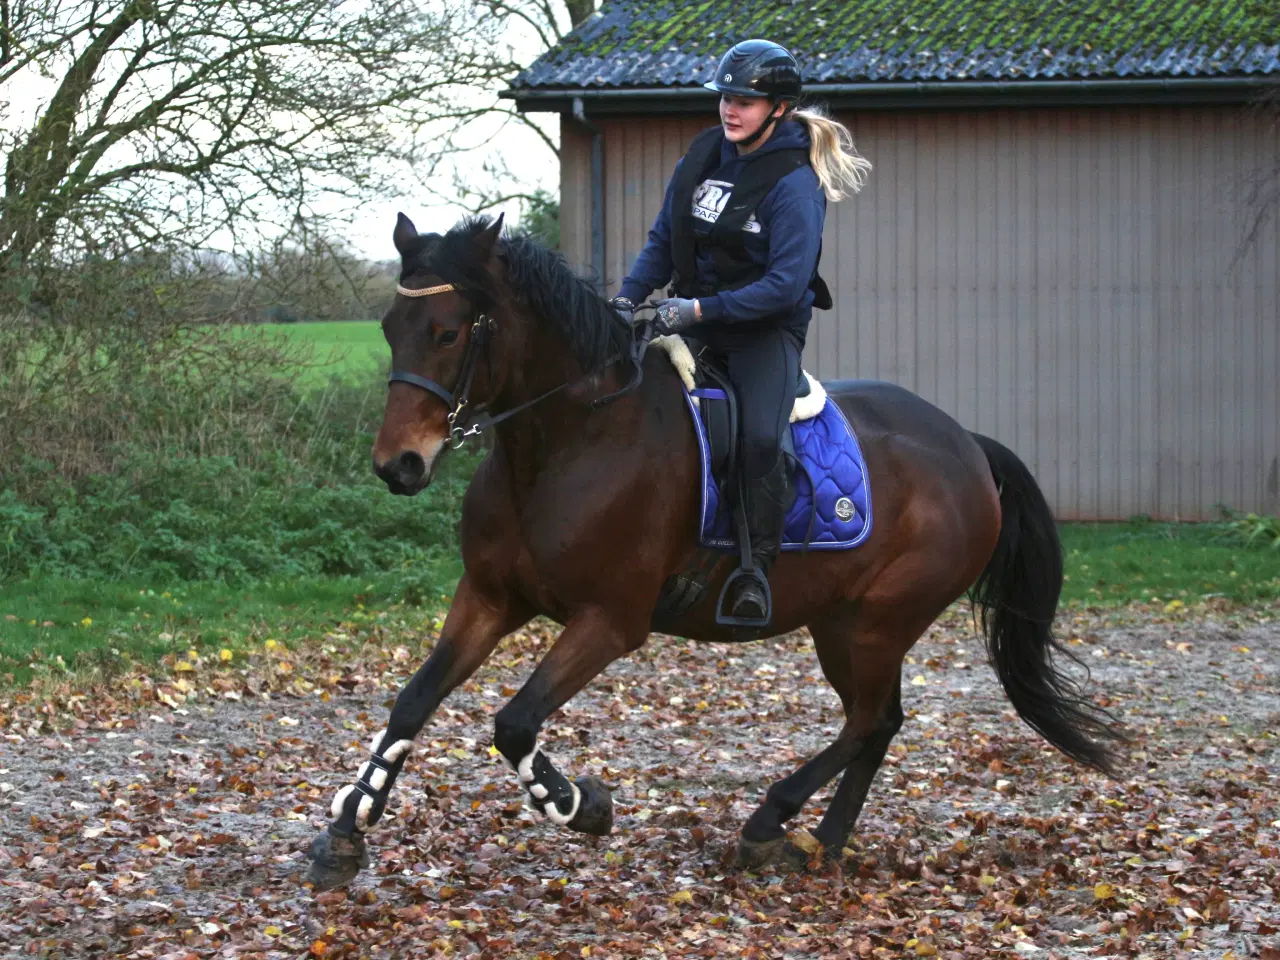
<point>475,624</point>
<point>589,643</point>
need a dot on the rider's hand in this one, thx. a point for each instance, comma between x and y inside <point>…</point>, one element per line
<point>625,308</point>
<point>676,314</point>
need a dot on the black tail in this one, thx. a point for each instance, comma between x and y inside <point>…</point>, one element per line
<point>1018,593</point>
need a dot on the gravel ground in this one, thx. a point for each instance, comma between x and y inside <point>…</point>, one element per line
<point>167,815</point>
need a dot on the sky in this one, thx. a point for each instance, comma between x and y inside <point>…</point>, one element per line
<point>371,231</point>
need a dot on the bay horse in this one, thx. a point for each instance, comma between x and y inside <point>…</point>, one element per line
<point>581,511</point>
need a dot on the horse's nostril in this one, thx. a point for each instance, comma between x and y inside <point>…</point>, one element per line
<point>411,468</point>
<point>403,474</point>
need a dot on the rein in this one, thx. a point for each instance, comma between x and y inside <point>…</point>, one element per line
<point>482,329</point>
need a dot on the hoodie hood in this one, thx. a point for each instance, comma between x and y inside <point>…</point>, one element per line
<point>786,135</point>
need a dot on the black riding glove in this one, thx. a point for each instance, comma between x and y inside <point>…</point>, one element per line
<point>675,314</point>
<point>625,308</point>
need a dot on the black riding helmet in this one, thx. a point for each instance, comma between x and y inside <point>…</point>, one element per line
<point>757,68</point>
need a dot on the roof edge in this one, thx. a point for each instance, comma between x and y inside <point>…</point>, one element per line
<point>922,94</point>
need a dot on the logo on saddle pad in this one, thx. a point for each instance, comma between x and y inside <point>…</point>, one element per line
<point>708,203</point>
<point>844,508</point>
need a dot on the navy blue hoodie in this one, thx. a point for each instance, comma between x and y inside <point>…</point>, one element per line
<point>784,236</point>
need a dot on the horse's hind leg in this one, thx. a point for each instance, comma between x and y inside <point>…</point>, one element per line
<point>842,812</point>
<point>845,650</point>
<point>866,675</point>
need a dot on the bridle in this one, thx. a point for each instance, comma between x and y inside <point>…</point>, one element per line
<point>483,327</point>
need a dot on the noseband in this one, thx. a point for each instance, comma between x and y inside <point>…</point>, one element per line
<point>482,329</point>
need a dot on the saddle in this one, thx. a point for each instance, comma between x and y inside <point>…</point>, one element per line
<point>711,392</point>
<point>831,506</point>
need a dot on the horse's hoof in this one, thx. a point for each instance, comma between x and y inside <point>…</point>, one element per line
<point>779,852</point>
<point>595,808</point>
<point>796,858</point>
<point>753,854</point>
<point>335,861</point>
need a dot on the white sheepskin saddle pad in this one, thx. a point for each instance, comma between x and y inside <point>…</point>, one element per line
<point>681,358</point>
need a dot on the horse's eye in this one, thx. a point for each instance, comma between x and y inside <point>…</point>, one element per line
<point>448,338</point>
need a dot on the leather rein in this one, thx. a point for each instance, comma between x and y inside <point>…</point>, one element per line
<point>483,327</point>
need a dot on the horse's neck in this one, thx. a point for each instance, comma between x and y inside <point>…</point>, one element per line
<point>566,424</point>
<point>541,363</point>
<point>550,425</point>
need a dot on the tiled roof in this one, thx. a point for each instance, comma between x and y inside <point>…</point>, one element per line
<point>661,43</point>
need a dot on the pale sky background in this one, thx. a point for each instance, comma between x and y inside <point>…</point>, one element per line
<point>523,150</point>
<point>370,232</point>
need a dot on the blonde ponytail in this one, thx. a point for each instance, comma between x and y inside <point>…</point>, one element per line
<point>840,168</point>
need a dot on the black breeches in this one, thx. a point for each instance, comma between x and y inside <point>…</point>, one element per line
<point>764,369</point>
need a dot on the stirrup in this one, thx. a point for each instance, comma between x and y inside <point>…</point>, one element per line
<point>747,570</point>
<point>725,619</point>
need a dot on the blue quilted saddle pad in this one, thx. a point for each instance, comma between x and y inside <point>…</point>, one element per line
<point>832,510</point>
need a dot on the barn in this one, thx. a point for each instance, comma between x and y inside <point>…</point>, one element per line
<point>1060,242</point>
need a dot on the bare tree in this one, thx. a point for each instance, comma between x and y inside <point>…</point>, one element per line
<point>158,121</point>
<point>1263,192</point>
<point>478,177</point>
<point>308,275</point>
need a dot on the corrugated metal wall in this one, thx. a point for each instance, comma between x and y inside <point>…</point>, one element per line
<point>1063,280</point>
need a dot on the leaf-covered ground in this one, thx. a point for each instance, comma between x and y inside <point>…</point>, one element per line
<point>168,816</point>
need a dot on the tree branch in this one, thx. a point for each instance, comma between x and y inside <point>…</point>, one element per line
<point>176,118</point>
<point>497,6</point>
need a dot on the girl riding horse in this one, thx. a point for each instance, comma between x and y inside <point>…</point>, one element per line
<point>740,235</point>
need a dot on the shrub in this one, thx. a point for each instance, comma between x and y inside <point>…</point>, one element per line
<point>140,438</point>
<point>181,517</point>
<point>1254,529</point>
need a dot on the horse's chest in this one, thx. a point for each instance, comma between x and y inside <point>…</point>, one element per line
<point>569,553</point>
<point>575,534</point>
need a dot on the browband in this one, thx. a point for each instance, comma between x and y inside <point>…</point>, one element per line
<point>425,291</point>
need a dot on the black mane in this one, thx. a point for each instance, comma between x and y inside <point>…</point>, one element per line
<point>539,277</point>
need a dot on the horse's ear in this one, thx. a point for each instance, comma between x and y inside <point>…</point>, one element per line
<point>405,233</point>
<point>488,238</point>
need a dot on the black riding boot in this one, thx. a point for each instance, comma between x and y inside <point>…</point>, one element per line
<point>767,500</point>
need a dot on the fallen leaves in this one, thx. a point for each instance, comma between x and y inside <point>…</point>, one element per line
<point>804,840</point>
<point>168,815</point>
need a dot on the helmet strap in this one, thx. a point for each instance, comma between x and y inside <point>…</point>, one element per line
<point>749,140</point>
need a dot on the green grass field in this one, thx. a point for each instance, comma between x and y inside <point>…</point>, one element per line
<point>348,349</point>
<point>100,624</point>
<point>1145,562</point>
<point>55,625</point>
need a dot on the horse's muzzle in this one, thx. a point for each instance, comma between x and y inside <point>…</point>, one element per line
<point>405,475</point>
